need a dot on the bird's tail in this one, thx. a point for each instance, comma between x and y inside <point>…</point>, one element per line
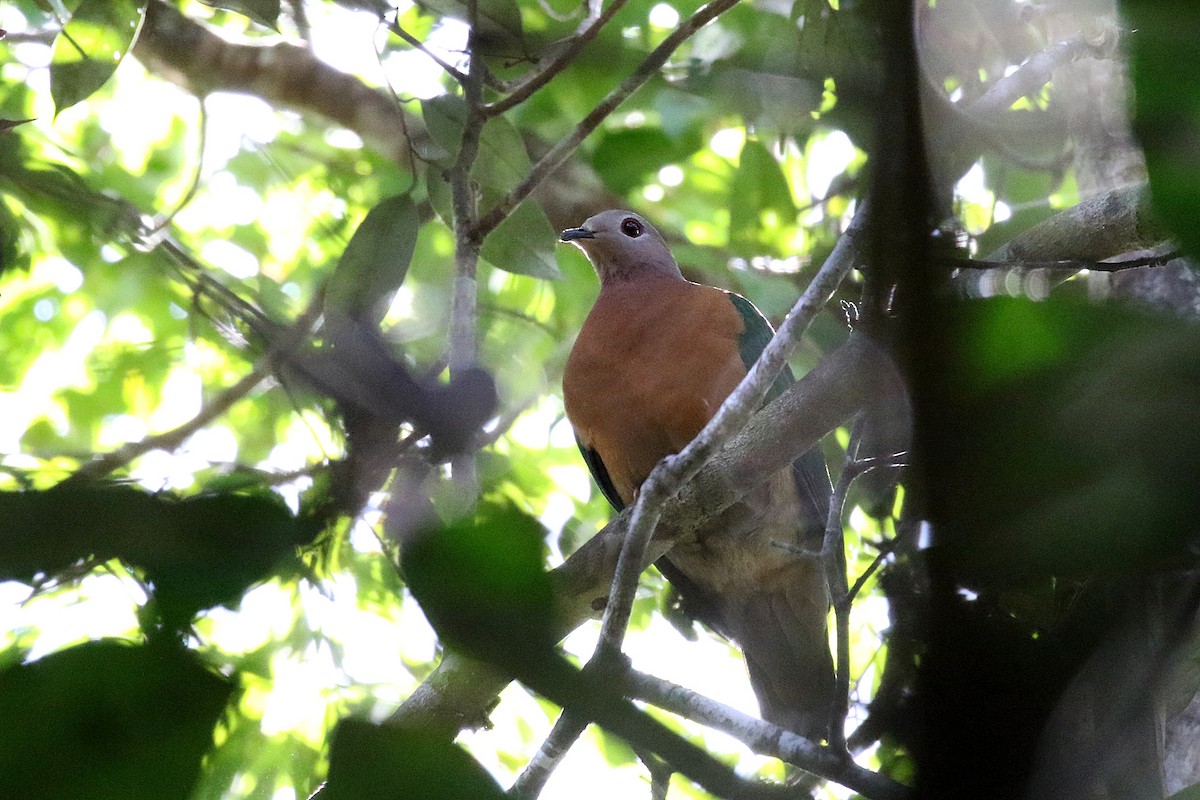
<point>784,637</point>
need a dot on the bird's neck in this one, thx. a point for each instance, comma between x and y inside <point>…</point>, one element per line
<point>613,275</point>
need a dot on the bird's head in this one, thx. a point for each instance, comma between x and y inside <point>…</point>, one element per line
<point>622,246</point>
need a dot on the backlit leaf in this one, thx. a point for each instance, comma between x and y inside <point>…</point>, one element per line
<point>90,47</point>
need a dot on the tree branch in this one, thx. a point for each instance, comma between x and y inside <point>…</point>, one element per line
<point>452,71</point>
<point>559,153</point>
<point>529,784</point>
<point>763,737</point>
<point>1100,227</point>
<point>833,556</point>
<point>170,440</point>
<point>673,472</point>
<point>459,690</point>
<point>186,53</point>
<point>545,73</point>
<point>1070,264</point>
<point>1035,72</point>
<point>1097,228</point>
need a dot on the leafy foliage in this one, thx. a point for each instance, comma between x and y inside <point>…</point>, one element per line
<point>146,269</point>
<point>107,720</point>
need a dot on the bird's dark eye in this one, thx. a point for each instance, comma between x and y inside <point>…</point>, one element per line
<point>631,227</point>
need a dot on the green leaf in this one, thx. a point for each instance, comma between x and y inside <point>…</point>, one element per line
<point>1062,439</point>
<point>376,761</point>
<point>264,12</point>
<point>107,721</point>
<point>758,187</point>
<point>499,30</point>
<point>14,241</point>
<point>375,262</point>
<point>198,553</point>
<point>482,583</point>
<point>524,244</point>
<point>445,119</point>
<point>502,162</point>
<point>1166,79</point>
<point>90,46</point>
<point>626,158</point>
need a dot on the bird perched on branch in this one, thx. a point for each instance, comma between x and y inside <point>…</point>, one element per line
<point>654,360</point>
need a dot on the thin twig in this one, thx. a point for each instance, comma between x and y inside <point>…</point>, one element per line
<point>833,556</point>
<point>560,62</point>
<point>560,152</point>
<point>163,222</point>
<point>451,70</point>
<point>885,550</point>
<point>673,472</point>
<point>1069,264</point>
<point>567,729</point>
<point>762,736</point>
<point>172,439</point>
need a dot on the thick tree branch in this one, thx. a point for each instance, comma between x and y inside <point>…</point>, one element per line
<point>1101,227</point>
<point>185,53</point>
<point>1097,228</point>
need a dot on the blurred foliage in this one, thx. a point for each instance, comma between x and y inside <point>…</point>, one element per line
<point>142,230</point>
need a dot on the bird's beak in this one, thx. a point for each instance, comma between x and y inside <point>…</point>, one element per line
<point>571,234</point>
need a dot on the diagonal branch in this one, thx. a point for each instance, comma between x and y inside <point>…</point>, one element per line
<point>460,689</point>
<point>761,736</point>
<point>672,473</point>
<point>170,440</point>
<point>448,68</point>
<point>560,62</point>
<point>1035,72</point>
<point>560,152</point>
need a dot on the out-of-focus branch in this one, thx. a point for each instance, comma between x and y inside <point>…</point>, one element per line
<point>1160,259</point>
<point>1097,228</point>
<point>184,52</point>
<point>1101,227</point>
<point>1035,72</point>
<point>172,439</point>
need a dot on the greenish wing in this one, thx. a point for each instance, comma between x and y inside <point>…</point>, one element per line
<point>600,474</point>
<point>811,474</point>
<point>754,340</point>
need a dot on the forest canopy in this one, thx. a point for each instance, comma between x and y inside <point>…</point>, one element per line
<point>289,503</point>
